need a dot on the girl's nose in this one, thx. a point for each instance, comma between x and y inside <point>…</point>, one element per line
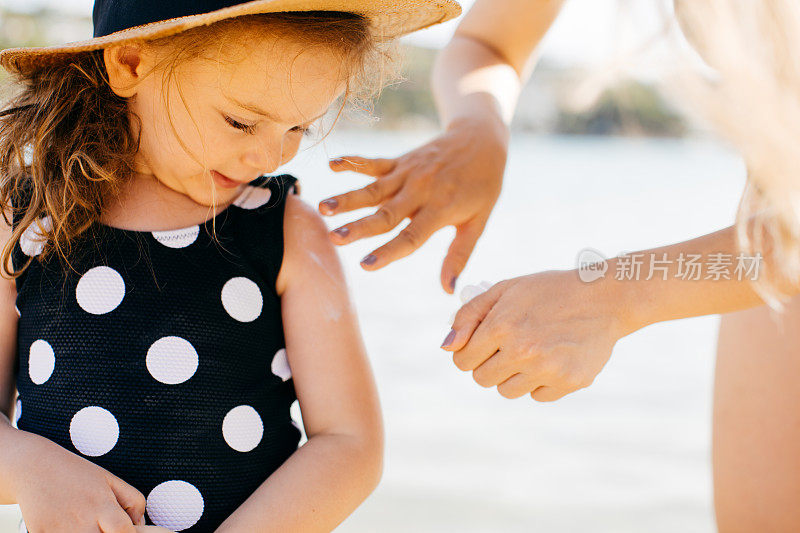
<point>264,156</point>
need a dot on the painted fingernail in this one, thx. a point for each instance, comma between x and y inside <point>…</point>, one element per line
<point>329,205</point>
<point>453,283</point>
<point>449,339</point>
<point>342,232</point>
<point>369,260</point>
<point>337,161</point>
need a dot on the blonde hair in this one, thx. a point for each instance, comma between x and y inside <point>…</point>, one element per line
<point>752,97</point>
<point>66,141</point>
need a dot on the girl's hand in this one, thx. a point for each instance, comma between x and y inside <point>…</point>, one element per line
<point>454,180</point>
<point>59,491</point>
<point>547,334</point>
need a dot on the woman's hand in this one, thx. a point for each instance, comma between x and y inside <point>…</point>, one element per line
<point>547,334</point>
<point>59,491</point>
<point>454,180</point>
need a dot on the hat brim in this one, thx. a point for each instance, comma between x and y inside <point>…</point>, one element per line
<point>388,19</point>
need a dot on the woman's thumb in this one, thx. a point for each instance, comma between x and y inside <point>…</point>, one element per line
<point>469,318</point>
<point>129,498</point>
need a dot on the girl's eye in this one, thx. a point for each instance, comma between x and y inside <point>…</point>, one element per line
<point>304,130</point>
<point>247,128</point>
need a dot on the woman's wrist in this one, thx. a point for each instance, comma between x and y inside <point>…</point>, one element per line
<point>628,301</point>
<point>489,123</point>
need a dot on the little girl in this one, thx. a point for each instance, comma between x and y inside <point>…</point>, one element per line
<point>156,366</point>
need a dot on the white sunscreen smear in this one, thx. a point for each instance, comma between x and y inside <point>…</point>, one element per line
<point>468,293</point>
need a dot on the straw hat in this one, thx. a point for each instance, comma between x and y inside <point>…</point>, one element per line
<point>119,21</point>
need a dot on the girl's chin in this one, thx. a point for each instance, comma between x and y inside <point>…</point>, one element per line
<point>215,197</point>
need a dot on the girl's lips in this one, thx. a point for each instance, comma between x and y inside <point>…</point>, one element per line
<point>224,181</point>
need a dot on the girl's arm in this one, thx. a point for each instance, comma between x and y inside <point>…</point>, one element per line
<point>550,334</point>
<point>330,475</point>
<point>8,350</point>
<point>57,490</point>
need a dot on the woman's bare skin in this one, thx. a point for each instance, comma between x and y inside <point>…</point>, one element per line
<point>756,435</point>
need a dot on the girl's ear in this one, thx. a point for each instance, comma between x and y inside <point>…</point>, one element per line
<point>127,65</point>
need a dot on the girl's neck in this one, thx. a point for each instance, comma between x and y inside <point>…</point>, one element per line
<point>145,204</point>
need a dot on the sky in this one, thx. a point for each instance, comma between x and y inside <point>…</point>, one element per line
<point>587,33</point>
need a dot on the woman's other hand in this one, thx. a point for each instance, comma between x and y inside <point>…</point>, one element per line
<point>454,180</point>
<point>546,334</point>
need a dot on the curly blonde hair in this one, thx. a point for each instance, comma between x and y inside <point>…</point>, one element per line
<point>752,97</point>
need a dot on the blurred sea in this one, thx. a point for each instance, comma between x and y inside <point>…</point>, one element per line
<point>631,453</point>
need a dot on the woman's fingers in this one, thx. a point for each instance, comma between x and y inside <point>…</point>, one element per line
<point>373,194</point>
<point>548,394</point>
<point>494,370</point>
<point>477,321</point>
<point>436,175</point>
<point>371,167</point>
<point>386,218</point>
<point>421,227</point>
<point>518,385</point>
<point>460,250</point>
<point>470,316</point>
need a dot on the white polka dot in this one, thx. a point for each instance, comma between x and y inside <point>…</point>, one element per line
<point>17,412</point>
<point>175,505</point>
<point>172,360</point>
<point>41,361</point>
<point>242,428</point>
<point>179,238</point>
<point>94,431</point>
<point>33,239</point>
<point>280,365</point>
<point>296,414</point>
<point>242,299</point>
<point>253,198</point>
<point>100,290</point>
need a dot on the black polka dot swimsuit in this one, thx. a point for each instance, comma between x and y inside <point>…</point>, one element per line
<point>161,357</point>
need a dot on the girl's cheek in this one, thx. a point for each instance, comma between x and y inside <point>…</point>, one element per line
<point>290,150</point>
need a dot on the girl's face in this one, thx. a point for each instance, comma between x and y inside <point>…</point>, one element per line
<point>222,121</point>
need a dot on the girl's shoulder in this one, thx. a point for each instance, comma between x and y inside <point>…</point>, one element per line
<point>307,247</point>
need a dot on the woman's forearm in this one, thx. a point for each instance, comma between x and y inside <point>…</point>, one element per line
<point>479,75</point>
<point>314,490</point>
<point>471,82</point>
<point>707,275</point>
<point>551,333</point>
